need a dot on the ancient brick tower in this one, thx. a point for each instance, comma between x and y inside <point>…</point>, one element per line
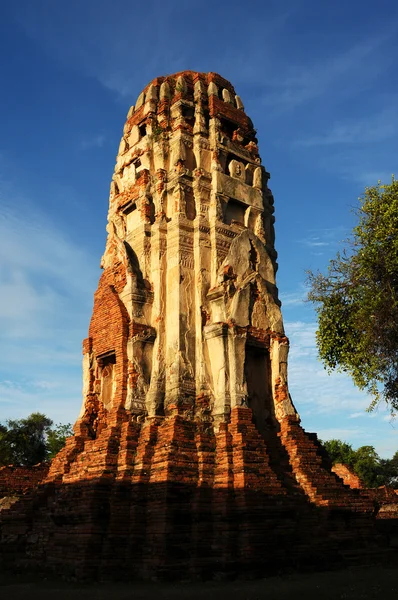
<point>186,317</point>
<point>188,455</point>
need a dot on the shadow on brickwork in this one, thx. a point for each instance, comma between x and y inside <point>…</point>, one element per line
<point>118,530</point>
<point>169,500</point>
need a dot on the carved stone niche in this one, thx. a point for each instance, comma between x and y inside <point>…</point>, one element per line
<point>258,378</point>
<point>106,363</point>
<point>235,213</point>
<point>237,170</point>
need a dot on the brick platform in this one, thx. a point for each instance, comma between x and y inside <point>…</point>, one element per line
<point>166,500</point>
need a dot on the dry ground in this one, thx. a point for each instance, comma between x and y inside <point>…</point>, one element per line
<point>349,584</point>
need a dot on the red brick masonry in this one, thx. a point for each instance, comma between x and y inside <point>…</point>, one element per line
<point>347,476</point>
<point>18,480</point>
<point>168,499</point>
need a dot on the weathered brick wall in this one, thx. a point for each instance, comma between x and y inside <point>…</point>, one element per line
<point>348,476</point>
<point>385,499</point>
<point>383,494</point>
<point>168,498</point>
<point>311,469</point>
<point>17,480</point>
<point>109,327</point>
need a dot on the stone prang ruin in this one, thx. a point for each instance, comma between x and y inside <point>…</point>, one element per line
<point>188,459</point>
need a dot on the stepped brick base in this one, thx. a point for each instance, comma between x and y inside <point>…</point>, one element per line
<point>18,480</point>
<point>167,499</point>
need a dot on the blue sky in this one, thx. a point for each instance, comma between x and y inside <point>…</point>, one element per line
<point>319,82</point>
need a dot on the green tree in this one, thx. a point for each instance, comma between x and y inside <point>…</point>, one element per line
<point>368,467</point>
<point>56,438</point>
<point>364,462</point>
<point>357,300</point>
<point>24,440</point>
<point>390,470</point>
<point>4,447</point>
<point>339,452</point>
<point>29,441</point>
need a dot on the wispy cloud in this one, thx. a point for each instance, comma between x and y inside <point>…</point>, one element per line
<point>47,283</point>
<point>371,177</point>
<point>302,84</point>
<point>392,419</point>
<point>60,399</point>
<point>40,271</point>
<point>302,336</point>
<point>315,242</point>
<point>96,141</point>
<point>341,433</point>
<point>318,239</point>
<point>358,415</point>
<point>361,436</point>
<point>91,38</point>
<point>328,404</point>
<point>289,299</point>
<point>309,381</point>
<point>373,128</point>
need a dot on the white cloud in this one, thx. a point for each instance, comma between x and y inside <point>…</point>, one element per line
<point>392,419</point>
<point>41,272</point>
<point>325,237</point>
<point>96,141</point>
<point>340,433</point>
<point>92,38</point>
<point>377,127</point>
<point>310,384</point>
<point>296,84</point>
<point>358,415</point>
<point>290,299</point>
<point>328,404</point>
<point>384,444</point>
<point>369,177</point>
<point>35,244</point>
<point>47,285</point>
<point>302,336</point>
<point>60,400</point>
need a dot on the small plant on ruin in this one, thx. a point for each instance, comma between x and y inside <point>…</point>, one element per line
<point>157,132</point>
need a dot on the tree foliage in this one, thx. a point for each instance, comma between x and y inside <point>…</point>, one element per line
<point>390,469</point>
<point>29,441</point>
<point>357,300</point>
<point>56,438</point>
<point>365,462</point>
<point>339,452</point>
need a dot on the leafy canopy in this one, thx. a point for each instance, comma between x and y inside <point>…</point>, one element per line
<point>56,438</point>
<point>32,440</point>
<point>365,462</point>
<point>357,300</point>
